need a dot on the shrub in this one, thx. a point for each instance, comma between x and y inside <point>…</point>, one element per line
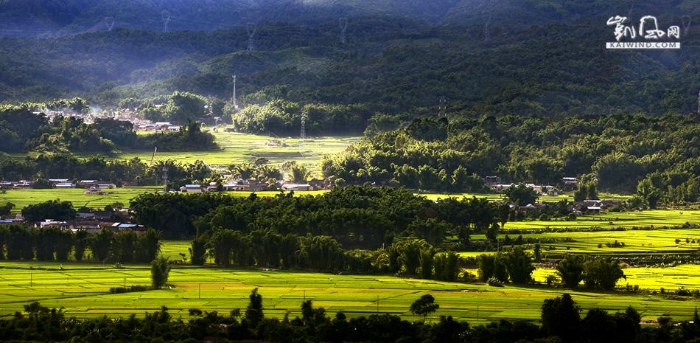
<point>117,290</point>
<point>494,282</point>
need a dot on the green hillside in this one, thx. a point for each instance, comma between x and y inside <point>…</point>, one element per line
<point>388,65</point>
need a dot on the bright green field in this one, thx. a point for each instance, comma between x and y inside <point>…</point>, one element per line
<point>636,241</point>
<point>23,197</point>
<point>655,218</point>
<point>241,147</point>
<point>649,278</point>
<point>83,290</point>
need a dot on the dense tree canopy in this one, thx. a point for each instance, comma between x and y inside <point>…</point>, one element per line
<point>617,151</point>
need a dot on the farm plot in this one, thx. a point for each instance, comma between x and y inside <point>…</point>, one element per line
<point>612,220</point>
<point>23,197</point>
<point>83,289</point>
<point>668,278</point>
<point>618,242</point>
<point>241,147</point>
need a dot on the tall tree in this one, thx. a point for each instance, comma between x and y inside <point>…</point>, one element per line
<point>602,273</point>
<point>254,312</point>
<point>424,306</point>
<point>570,270</point>
<point>560,317</point>
<point>160,271</point>
<point>519,265</point>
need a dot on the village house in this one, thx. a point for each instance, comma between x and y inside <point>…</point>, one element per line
<point>192,188</point>
<point>297,187</point>
<point>246,185</point>
<point>65,185</point>
<point>23,184</point>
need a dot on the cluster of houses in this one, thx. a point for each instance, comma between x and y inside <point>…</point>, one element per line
<point>101,187</point>
<point>147,125</point>
<point>91,186</point>
<point>583,207</point>
<point>91,222</point>
<point>256,186</point>
<point>567,183</point>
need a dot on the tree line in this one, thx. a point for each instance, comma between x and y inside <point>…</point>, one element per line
<point>561,320</point>
<point>615,153</point>
<point>22,130</point>
<point>357,217</point>
<point>134,171</point>
<point>265,249</point>
<point>20,243</point>
<point>517,266</point>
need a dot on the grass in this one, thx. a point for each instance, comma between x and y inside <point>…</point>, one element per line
<point>83,290</point>
<point>670,278</point>
<point>635,241</point>
<point>612,220</point>
<point>241,147</point>
<point>23,197</point>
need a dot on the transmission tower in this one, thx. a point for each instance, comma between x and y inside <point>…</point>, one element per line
<point>442,108</point>
<point>487,34</point>
<point>250,28</point>
<point>687,21</point>
<point>165,16</point>
<point>233,98</point>
<point>343,27</point>
<point>109,21</point>
<point>302,134</point>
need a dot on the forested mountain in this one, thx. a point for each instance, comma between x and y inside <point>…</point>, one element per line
<point>47,18</point>
<point>405,59</point>
<point>388,64</point>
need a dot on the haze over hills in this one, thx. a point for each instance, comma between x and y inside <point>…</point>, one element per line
<point>541,57</point>
<point>47,18</point>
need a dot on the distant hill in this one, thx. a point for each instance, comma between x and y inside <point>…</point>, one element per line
<point>47,18</point>
<point>542,57</point>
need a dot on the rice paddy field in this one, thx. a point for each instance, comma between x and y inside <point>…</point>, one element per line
<point>242,147</point>
<point>669,278</point>
<point>612,220</point>
<point>23,197</point>
<point>83,290</point>
<point>630,242</point>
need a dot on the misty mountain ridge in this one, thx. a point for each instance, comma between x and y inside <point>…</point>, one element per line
<point>48,18</point>
<point>388,63</point>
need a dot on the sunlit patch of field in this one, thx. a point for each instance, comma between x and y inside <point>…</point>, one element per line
<point>83,289</point>
<point>242,147</point>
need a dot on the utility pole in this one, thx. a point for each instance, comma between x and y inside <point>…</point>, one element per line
<point>165,179</point>
<point>302,134</point>
<point>442,108</point>
<point>233,99</point>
